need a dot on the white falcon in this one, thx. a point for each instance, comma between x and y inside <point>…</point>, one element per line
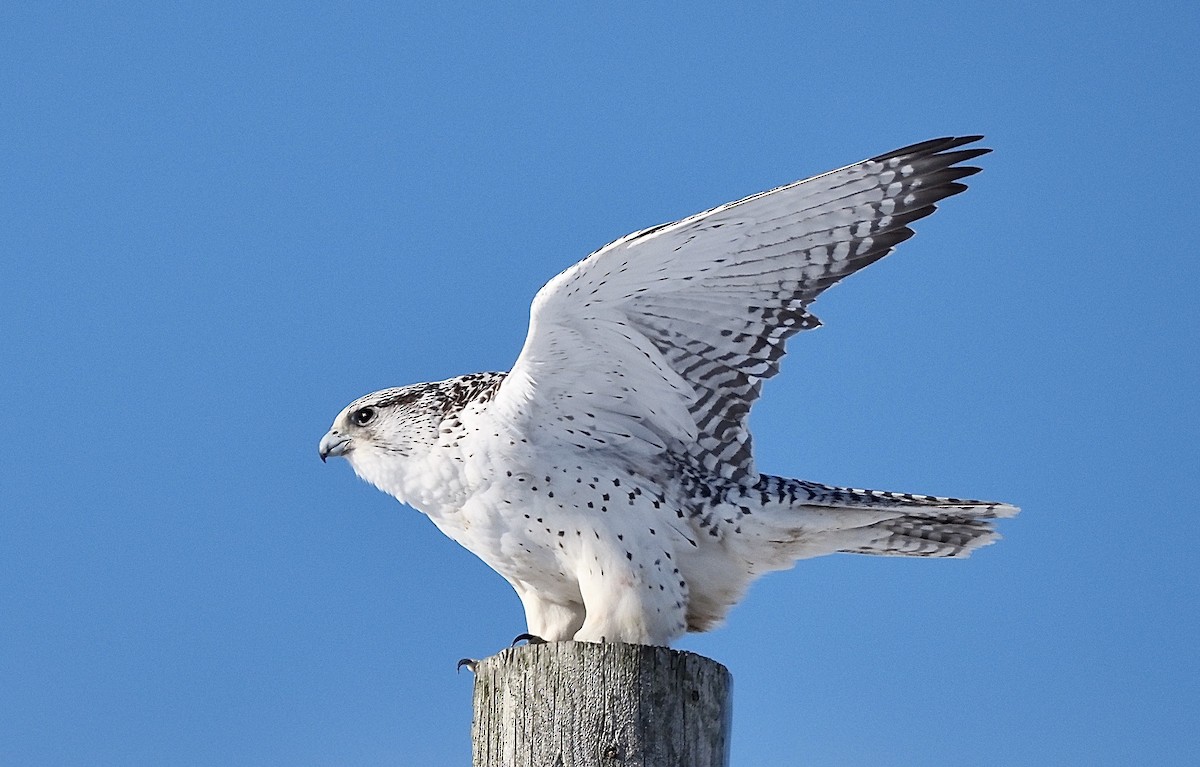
<point>609,476</point>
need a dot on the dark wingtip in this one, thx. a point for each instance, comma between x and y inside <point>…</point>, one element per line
<point>935,146</point>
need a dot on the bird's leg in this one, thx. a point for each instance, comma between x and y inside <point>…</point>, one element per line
<point>634,602</point>
<point>546,620</point>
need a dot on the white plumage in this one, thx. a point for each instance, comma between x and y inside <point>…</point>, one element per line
<point>609,476</point>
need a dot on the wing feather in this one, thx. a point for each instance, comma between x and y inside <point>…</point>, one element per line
<point>660,341</point>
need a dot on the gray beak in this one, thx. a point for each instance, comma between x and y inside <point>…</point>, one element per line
<point>333,444</point>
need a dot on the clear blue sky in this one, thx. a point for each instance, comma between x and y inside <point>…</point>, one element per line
<point>221,223</point>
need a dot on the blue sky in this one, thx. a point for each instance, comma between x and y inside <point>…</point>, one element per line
<point>219,223</point>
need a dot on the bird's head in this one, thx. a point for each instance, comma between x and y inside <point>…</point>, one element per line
<point>388,434</point>
<point>378,432</point>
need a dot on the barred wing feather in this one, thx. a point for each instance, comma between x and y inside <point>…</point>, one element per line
<point>660,341</point>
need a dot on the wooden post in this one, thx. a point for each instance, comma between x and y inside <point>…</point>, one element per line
<point>577,704</point>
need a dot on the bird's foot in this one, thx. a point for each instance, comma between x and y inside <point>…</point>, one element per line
<point>471,663</point>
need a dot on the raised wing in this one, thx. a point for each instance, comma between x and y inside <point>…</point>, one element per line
<point>661,340</point>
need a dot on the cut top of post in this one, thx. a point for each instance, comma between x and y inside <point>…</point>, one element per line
<point>578,703</point>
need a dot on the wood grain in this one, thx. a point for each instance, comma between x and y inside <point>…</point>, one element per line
<point>578,704</point>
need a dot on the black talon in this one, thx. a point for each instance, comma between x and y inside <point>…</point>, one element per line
<point>469,663</point>
<point>529,638</point>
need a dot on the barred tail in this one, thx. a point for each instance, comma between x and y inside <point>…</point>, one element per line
<point>939,536</point>
<point>824,519</point>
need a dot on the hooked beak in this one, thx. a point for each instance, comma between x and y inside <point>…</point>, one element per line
<point>333,444</point>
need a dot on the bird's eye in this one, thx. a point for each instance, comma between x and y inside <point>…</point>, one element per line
<point>363,416</point>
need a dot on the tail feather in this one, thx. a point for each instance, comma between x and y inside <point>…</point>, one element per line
<point>815,519</point>
<point>816,494</point>
<point>923,537</point>
<point>777,521</point>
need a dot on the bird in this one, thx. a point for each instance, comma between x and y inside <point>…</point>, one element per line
<point>609,476</point>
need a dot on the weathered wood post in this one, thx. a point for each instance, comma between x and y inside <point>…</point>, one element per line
<point>578,704</point>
